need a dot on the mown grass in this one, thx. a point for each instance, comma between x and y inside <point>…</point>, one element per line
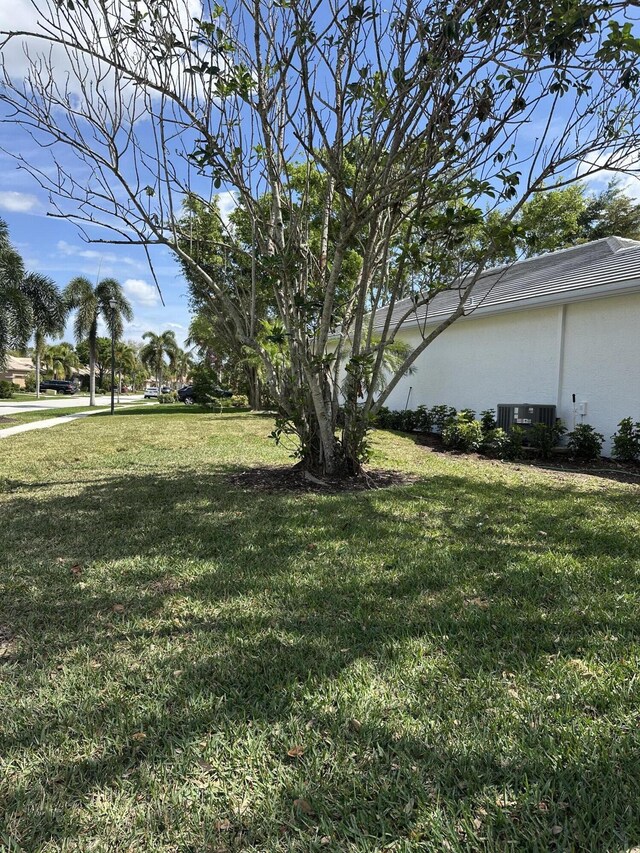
<point>452,664</point>
<point>24,397</point>
<point>45,414</point>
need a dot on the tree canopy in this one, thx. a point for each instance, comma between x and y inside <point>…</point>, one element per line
<point>91,303</point>
<point>30,303</point>
<point>363,142</point>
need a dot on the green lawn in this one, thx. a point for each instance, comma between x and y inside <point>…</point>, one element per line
<point>23,397</point>
<point>45,414</point>
<point>38,415</point>
<point>188,665</point>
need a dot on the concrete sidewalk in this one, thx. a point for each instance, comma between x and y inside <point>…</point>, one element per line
<point>49,422</point>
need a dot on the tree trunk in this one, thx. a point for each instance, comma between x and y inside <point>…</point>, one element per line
<point>254,389</point>
<point>37,374</point>
<point>92,375</point>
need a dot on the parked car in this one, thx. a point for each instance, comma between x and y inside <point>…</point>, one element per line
<point>165,389</point>
<point>60,386</point>
<point>186,395</point>
<point>150,392</point>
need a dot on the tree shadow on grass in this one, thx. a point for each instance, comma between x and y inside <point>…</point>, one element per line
<point>417,641</point>
<point>186,411</point>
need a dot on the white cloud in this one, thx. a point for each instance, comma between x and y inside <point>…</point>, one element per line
<point>141,292</point>
<point>94,255</point>
<point>91,254</point>
<point>597,177</point>
<point>16,202</point>
<point>176,326</point>
<point>227,201</point>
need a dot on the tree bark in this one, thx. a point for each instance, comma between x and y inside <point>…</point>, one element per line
<point>92,373</point>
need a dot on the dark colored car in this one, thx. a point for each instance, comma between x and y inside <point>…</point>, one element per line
<point>187,395</point>
<point>60,386</point>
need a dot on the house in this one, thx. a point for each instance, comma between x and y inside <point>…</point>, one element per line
<point>17,369</point>
<point>538,331</point>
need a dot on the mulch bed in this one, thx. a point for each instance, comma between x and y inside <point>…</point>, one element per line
<point>5,420</point>
<point>561,463</point>
<point>272,479</point>
<point>294,480</point>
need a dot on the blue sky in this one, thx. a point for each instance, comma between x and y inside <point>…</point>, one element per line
<point>54,247</point>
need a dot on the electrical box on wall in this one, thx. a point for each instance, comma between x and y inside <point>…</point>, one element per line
<point>582,408</point>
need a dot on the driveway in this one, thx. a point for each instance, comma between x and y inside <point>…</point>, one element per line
<point>8,407</point>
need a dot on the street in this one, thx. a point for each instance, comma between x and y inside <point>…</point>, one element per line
<point>9,407</point>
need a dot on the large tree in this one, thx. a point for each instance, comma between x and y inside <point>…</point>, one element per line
<point>90,305</point>
<point>405,119</point>
<point>558,218</point>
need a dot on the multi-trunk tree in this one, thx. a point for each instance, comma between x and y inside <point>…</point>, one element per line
<point>406,121</point>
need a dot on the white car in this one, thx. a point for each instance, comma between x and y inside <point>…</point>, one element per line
<point>150,392</point>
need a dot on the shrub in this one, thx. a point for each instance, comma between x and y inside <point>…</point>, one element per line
<point>424,419</point>
<point>407,420</point>
<point>204,381</point>
<point>441,415</point>
<point>516,442</point>
<point>6,389</point>
<point>626,441</point>
<point>171,397</point>
<point>495,443</point>
<point>544,438</point>
<point>383,418</point>
<point>462,433</point>
<point>585,443</point>
<point>238,401</point>
<point>30,382</point>
<point>488,421</point>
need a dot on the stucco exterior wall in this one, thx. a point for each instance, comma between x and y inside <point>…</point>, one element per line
<point>537,355</point>
<point>601,364</point>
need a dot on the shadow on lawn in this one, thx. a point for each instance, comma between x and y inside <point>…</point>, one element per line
<point>446,589</point>
<point>185,411</point>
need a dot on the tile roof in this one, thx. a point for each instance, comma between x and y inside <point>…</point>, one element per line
<point>17,363</point>
<point>580,269</point>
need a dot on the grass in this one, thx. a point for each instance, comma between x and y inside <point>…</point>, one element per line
<point>191,666</point>
<point>24,397</point>
<point>46,414</point>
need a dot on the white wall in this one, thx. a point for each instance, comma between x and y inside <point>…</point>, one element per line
<point>521,357</point>
<point>479,362</point>
<point>601,362</point>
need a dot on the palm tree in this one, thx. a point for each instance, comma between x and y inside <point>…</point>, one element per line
<point>64,359</point>
<point>30,303</point>
<point>183,364</point>
<point>153,353</point>
<point>14,307</point>
<point>48,313</point>
<point>91,303</point>
<point>126,361</point>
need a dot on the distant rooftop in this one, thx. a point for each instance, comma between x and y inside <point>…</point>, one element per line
<point>18,363</point>
<point>609,262</point>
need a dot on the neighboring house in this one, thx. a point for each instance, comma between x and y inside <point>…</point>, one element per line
<point>17,370</point>
<point>538,331</point>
